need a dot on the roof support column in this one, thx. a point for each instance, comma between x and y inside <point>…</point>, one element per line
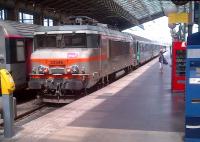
<point>38,19</point>
<point>190,25</point>
<point>56,22</point>
<point>12,14</point>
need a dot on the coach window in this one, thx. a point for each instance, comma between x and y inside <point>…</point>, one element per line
<point>93,40</point>
<point>144,47</point>
<point>20,50</point>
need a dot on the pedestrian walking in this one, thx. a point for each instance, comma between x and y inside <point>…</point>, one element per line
<point>162,60</point>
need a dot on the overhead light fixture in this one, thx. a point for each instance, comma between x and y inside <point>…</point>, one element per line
<point>180,2</point>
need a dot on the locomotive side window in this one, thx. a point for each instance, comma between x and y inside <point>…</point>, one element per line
<point>118,48</point>
<point>20,50</point>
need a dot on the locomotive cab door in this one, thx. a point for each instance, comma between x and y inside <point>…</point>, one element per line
<point>94,66</point>
<point>104,49</point>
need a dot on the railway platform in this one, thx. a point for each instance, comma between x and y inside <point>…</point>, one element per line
<point>136,108</point>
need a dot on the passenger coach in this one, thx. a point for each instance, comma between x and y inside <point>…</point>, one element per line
<point>16,46</point>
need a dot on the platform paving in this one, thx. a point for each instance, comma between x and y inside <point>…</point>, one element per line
<point>137,108</point>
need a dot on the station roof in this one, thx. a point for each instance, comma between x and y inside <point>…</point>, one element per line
<point>119,13</point>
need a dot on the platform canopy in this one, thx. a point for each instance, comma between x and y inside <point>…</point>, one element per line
<point>119,13</point>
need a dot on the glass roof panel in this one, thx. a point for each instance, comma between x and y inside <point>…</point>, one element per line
<point>146,8</point>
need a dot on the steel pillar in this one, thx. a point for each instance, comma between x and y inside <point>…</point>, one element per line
<point>12,14</point>
<point>8,115</point>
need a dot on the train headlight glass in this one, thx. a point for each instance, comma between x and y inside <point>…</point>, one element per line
<point>75,69</point>
<point>83,70</point>
<point>68,70</point>
<point>34,70</point>
<point>43,69</point>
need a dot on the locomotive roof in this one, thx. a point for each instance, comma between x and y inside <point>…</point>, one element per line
<point>88,29</point>
<point>80,29</point>
<point>16,28</point>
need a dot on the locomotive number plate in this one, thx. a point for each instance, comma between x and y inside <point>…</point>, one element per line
<point>59,62</point>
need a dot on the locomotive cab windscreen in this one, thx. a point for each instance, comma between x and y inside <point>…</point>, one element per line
<point>72,40</point>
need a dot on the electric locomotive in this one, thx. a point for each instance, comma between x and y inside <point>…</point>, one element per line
<point>76,57</point>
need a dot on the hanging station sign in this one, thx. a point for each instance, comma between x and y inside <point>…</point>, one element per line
<point>174,18</point>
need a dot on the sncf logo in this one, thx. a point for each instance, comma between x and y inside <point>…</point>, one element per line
<point>72,55</point>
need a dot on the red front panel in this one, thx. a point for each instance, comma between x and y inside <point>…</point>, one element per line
<point>178,66</point>
<point>28,51</point>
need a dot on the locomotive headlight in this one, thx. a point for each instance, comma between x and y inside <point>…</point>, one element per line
<point>83,70</point>
<point>68,70</point>
<point>74,69</point>
<point>34,70</point>
<point>43,69</point>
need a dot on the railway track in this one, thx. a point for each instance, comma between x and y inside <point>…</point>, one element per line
<point>20,116</point>
<point>27,115</point>
<point>26,109</point>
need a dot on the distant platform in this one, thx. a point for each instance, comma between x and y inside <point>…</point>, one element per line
<point>136,108</point>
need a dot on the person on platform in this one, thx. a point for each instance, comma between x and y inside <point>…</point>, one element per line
<point>161,59</point>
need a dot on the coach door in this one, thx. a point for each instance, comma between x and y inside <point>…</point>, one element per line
<point>134,54</point>
<point>138,52</point>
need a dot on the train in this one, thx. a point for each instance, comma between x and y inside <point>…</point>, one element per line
<point>77,57</point>
<point>16,46</point>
